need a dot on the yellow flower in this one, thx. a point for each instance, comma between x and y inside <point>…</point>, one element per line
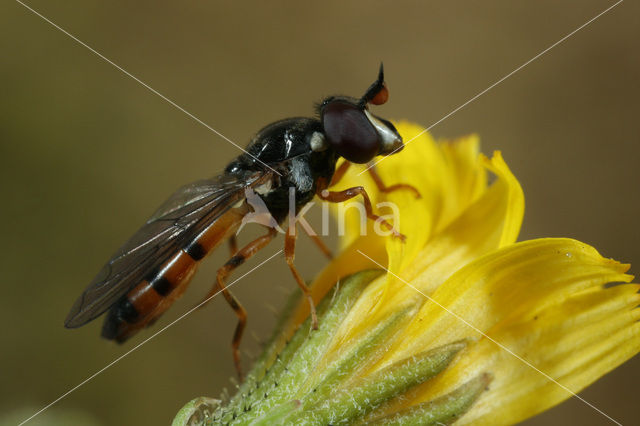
<point>466,324</point>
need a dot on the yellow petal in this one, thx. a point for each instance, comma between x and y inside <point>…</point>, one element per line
<point>450,175</point>
<point>468,174</point>
<point>487,224</point>
<point>506,283</point>
<point>543,302</point>
<point>514,202</point>
<point>420,164</point>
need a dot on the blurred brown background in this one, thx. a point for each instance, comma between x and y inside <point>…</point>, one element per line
<point>86,154</point>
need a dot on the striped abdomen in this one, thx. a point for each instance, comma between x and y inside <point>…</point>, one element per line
<point>144,303</point>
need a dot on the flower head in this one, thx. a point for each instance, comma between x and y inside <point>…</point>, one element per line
<point>460,322</point>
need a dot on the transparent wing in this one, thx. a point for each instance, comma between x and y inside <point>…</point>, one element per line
<point>188,211</point>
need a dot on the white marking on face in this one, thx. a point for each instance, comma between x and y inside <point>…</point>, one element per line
<point>388,137</point>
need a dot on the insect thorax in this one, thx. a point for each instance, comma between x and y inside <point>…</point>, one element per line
<point>290,147</point>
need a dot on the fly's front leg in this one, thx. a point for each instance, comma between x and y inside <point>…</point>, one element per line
<point>236,260</point>
<point>339,173</point>
<point>289,253</point>
<point>347,194</point>
<point>386,189</point>
<point>342,169</point>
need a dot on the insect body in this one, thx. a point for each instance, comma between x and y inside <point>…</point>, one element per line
<point>295,155</point>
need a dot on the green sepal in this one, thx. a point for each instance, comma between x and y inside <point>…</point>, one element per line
<point>352,402</point>
<point>441,411</point>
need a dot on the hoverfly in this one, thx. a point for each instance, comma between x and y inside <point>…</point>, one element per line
<point>153,268</point>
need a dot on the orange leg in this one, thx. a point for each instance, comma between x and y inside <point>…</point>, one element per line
<point>236,260</point>
<point>339,173</point>
<point>289,254</point>
<point>347,194</point>
<point>386,189</point>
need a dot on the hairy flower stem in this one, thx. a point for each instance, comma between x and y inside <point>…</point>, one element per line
<point>295,382</point>
<point>362,397</point>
